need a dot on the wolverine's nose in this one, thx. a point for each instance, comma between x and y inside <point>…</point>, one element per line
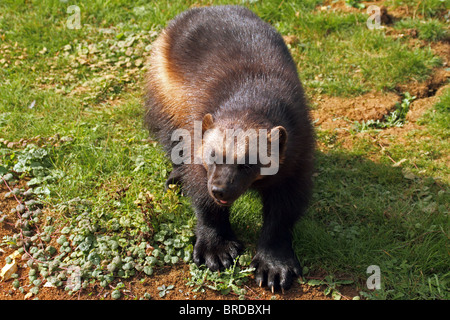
<point>218,192</point>
<point>221,194</point>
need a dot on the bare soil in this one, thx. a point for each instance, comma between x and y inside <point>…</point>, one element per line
<point>337,112</point>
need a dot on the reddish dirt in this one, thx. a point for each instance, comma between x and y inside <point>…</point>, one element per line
<point>438,78</point>
<point>387,17</point>
<point>337,112</point>
<point>337,115</point>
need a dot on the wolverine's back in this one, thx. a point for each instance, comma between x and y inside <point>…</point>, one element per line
<point>204,56</point>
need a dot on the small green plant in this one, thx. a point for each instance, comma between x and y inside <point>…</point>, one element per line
<point>90,246</point>
<point>116,294</point>
<point>163,290</point>
<point>331,285</point>
<point>395,118</point>
<point>355,4</point>
<point>147,296</point>
<point>229,280</point>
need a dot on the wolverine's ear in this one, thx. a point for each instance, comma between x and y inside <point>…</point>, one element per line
<point>279,134</point>
<point>207,122</point>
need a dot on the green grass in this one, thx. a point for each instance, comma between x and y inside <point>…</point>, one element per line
<point>432,29</point>
<point>429,147</point>
<point>80,100</point>
<point>425,8</point>
<point>365,214</point>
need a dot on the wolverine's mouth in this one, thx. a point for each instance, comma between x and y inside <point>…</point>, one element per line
<point>220,197</point>
<point>223,203</point>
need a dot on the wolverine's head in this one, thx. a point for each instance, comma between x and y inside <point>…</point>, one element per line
<point>235,158</point>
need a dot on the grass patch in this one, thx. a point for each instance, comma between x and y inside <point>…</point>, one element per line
<point>432,30</point>
<point>339,55</point>
<point>424,8</point>
<point>366,214</point>
<point>427,149</point>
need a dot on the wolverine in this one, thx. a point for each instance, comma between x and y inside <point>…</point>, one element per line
<point>214,71</point>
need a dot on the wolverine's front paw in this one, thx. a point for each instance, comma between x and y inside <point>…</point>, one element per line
<point>277,270</point>
<point>216,252</point>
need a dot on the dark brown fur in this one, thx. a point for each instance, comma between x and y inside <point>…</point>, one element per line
<point>226,67</point>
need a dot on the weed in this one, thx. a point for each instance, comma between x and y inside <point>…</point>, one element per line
<point>395,118</point>
<point>355,4</point>
<point>163,290</point>
<point>331,285</point>
<point>229,280</point>
<point>83,239</point>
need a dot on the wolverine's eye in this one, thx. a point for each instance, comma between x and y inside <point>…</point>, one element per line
<point>213,153</point>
